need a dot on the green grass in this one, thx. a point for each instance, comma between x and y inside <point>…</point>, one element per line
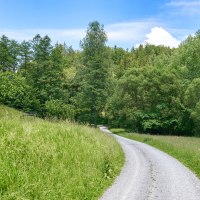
<point>185,149</point>
<point>47,160</point>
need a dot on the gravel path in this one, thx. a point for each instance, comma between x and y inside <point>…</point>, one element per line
<point>150,174</point>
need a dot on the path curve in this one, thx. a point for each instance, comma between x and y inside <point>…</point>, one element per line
<point>150,174</point>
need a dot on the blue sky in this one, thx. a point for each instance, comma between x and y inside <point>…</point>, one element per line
<point>127,22</point>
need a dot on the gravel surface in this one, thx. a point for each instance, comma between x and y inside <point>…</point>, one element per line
<point>150,174</point>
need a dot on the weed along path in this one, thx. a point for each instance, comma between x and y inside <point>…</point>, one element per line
<point>150,174</point>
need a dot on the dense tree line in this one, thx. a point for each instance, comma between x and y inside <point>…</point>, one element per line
<point>152,89</point>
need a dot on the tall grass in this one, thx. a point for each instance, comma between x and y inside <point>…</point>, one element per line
<point>43,160</point>
<point>185,149</point>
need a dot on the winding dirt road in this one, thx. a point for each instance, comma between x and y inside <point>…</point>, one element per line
<point>150,174</point>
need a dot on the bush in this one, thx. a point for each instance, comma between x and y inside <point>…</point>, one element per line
<point>59,109</point>
<point>15,92</point>
<point>195,115</point>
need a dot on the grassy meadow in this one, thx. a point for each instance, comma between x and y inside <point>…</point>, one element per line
<point>185,149</point>
<point>46,160</point>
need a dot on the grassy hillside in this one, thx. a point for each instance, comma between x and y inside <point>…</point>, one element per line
<point>54,160</point>
<point>185,149</point>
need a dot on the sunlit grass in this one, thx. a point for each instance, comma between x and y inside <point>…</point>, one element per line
<point>185,149</point>
<point>47,160</point>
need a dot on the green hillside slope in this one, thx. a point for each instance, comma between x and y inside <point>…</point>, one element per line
<point>40,159</point>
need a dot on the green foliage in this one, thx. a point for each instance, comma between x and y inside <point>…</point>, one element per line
<point>25,52</point>
<point>192,94</point>
<point>192,102</point>
<point>148,54</point>
<point>54,160</point>
<point>46,80</point>
<point>9,51</point>
<point>195,116</point>
<point>15,92</point>
<point>41,47</point>
<point>149,88</point>
<point>59,109</point>
<point>148,99</point>
<point>91,97</point>
<point>187,56</point>
<point>121,61</point>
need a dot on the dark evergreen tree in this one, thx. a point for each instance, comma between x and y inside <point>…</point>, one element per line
<point>26,54</point>
<point>91,98</point>
<point>9,51</point>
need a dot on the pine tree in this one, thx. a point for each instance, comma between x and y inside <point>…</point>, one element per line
<point>8,54</point>
<point>94,74</point>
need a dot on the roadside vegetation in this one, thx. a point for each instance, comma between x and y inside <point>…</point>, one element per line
<point>185,149</point>
<point>41,159</point>
<point>149,89</point>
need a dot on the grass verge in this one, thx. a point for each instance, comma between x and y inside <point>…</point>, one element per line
<point>46,160</point>
<point>185,149</point>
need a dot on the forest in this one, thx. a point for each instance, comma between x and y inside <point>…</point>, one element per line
<point>148,89</point>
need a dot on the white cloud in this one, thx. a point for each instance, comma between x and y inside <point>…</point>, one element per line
<point>128,31</point>
<point>159,36</point>
<point>185,7</point>
<point>126,35</point>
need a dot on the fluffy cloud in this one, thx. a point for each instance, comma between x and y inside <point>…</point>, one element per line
<point>128,30</point>
<point>124,35</point>
<point>159,36</point>
<point>128,34</point>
